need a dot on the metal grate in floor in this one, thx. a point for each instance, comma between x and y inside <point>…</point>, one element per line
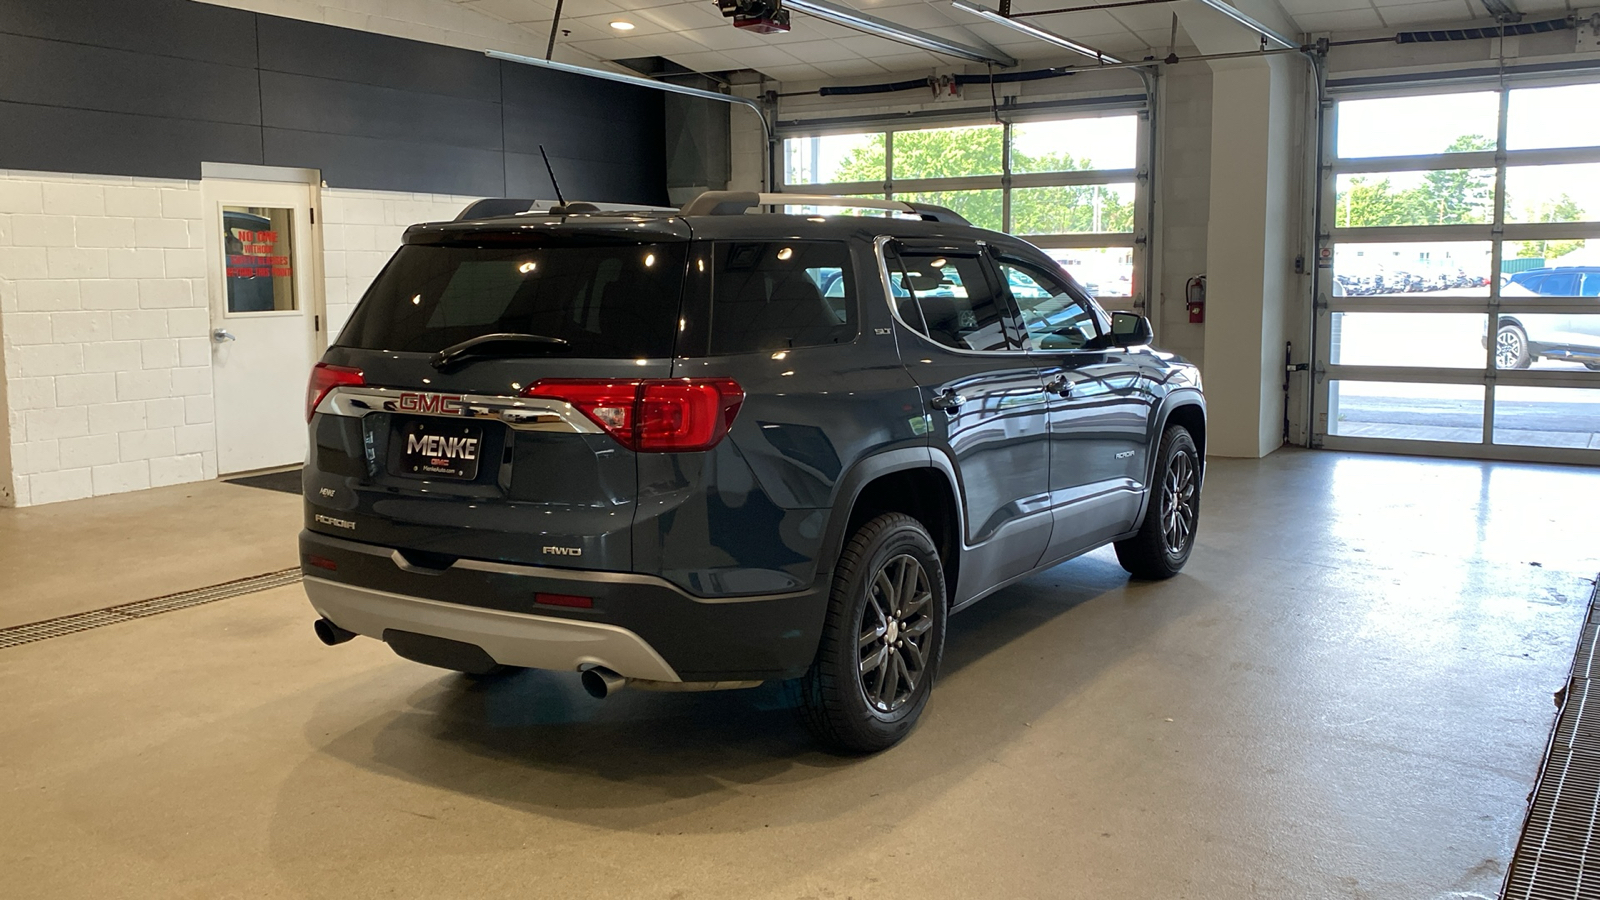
<point>1558,856</point>
<point>17,635</point>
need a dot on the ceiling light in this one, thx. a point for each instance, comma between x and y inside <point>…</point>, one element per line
<point>1049,37</point>
<point>860,21</point>
<point>623,25</point>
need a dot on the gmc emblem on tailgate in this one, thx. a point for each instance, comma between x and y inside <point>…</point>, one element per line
<point>437,404</point>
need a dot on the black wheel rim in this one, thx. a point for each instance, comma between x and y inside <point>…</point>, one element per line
<point>1179,493</point>
<point>895,627</point>
<point>1507,349</point>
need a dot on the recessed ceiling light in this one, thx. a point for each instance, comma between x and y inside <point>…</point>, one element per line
<point>622,25</point>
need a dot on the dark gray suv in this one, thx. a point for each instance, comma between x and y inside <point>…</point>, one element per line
<point>711,447</point>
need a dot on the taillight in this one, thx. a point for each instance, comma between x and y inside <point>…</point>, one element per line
<point>326,377</point>
<point>666,415</point>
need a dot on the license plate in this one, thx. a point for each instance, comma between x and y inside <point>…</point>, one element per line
<point>440,449</point>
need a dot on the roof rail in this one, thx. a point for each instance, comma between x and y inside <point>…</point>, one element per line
<point>501,207</point>
<point>733,203</point>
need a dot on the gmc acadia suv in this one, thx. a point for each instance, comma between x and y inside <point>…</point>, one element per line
<point>708,448</point>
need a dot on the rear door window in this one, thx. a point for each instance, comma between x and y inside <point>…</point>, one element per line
<point>606,302</point>
<point>779,295</point>
<point>948,298</point>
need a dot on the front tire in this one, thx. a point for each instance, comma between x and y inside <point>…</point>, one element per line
<point>1166,537</point>
<point>1511,348</point>
<point>882,639</point>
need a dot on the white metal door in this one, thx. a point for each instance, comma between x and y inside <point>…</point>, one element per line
<point>266,307</point>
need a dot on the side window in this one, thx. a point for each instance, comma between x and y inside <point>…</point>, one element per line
<point>778,295</point>
<point>949,299</point>
<point>1054,317</point>
<point>1591,284</point>
<point>1564,284</point>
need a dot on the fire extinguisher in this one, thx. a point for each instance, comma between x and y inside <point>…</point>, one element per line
<point>1194,291</point>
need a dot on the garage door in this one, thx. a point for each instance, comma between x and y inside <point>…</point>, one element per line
<point>1072,183</point>
<point>1459,298</point>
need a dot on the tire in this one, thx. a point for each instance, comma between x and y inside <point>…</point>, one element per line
<point>1166,537</point>
<point>888,576</point>
<point>1511,348</point>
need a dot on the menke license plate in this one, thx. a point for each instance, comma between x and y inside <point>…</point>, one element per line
<point>440,450</point>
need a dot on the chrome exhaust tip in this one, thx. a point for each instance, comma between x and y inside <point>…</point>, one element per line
<point>601,682</point>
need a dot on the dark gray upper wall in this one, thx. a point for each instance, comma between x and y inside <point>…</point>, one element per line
<point>155,88</point>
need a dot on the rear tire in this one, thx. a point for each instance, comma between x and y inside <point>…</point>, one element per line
<point>1166,537</point>
<point>881,641</point>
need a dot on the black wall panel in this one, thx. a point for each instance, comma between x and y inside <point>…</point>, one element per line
<point>53,139</point>
<point>180,28</point>
<point>387,165</point>
<point>303,103</point>
<point>306,48</point>
<point>158,87</point>
<point>79,76</point>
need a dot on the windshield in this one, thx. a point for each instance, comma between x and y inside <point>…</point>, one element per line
<point>606,302</point>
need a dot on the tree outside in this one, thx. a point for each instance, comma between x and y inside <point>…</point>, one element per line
<point>965,152</point>
<point>1452,197</point>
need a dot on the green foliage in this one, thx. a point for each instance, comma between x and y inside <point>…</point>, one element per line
<point>1445,197</point>
<point>961,152</point>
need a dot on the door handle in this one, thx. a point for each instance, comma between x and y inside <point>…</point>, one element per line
<point>1060,385</point>
<point>949,401</point>
<point>221,335</point>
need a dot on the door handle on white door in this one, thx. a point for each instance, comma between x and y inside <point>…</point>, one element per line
<point>221,335</point>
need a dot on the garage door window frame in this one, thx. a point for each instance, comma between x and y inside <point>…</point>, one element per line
<point>1006,181</point>
<point>1496,232</point>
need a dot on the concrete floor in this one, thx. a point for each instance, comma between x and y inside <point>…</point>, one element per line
<point>1345,695</point>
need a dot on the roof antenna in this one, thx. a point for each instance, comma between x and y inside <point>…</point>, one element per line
<point>553,183</point>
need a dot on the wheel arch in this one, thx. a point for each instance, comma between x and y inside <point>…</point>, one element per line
<point>1189,410</point>
<point>913,481</point>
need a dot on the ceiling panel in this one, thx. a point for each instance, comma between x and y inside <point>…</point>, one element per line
<point>694,33</point>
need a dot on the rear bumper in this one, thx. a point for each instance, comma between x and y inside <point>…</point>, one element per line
<point>512,639</point>
<point>640,626</point>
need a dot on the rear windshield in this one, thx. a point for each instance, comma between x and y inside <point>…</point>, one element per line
<point>777,295</point>
<point>607,302</point>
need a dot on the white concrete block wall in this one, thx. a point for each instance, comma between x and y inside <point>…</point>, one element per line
<point>103,319</point>
<point>361,230</point>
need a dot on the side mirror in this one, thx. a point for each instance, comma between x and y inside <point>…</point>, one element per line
<point>1131,330</point>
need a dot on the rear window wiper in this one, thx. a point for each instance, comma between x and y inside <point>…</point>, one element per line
<point>497,346</point>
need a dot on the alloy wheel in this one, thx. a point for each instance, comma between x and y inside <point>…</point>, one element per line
<point>1507,349</point>
<point>1178,495</point>
<point>893,634</point>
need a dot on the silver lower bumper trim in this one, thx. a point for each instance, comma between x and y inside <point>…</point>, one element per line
<point>512,639</point>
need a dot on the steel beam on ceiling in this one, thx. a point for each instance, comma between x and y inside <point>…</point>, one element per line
<point>860,21</point>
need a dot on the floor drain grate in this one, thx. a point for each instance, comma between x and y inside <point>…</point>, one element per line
<point>17,635</point>
<point>1559,853</point>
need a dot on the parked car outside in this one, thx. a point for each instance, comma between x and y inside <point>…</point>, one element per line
<point>1523,338</point>
<point>705,449</point>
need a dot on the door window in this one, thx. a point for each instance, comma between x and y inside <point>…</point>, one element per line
<point>779,295</point>
<point>949,299</point>
<point>259,245</point>
<point>1054,316</point>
